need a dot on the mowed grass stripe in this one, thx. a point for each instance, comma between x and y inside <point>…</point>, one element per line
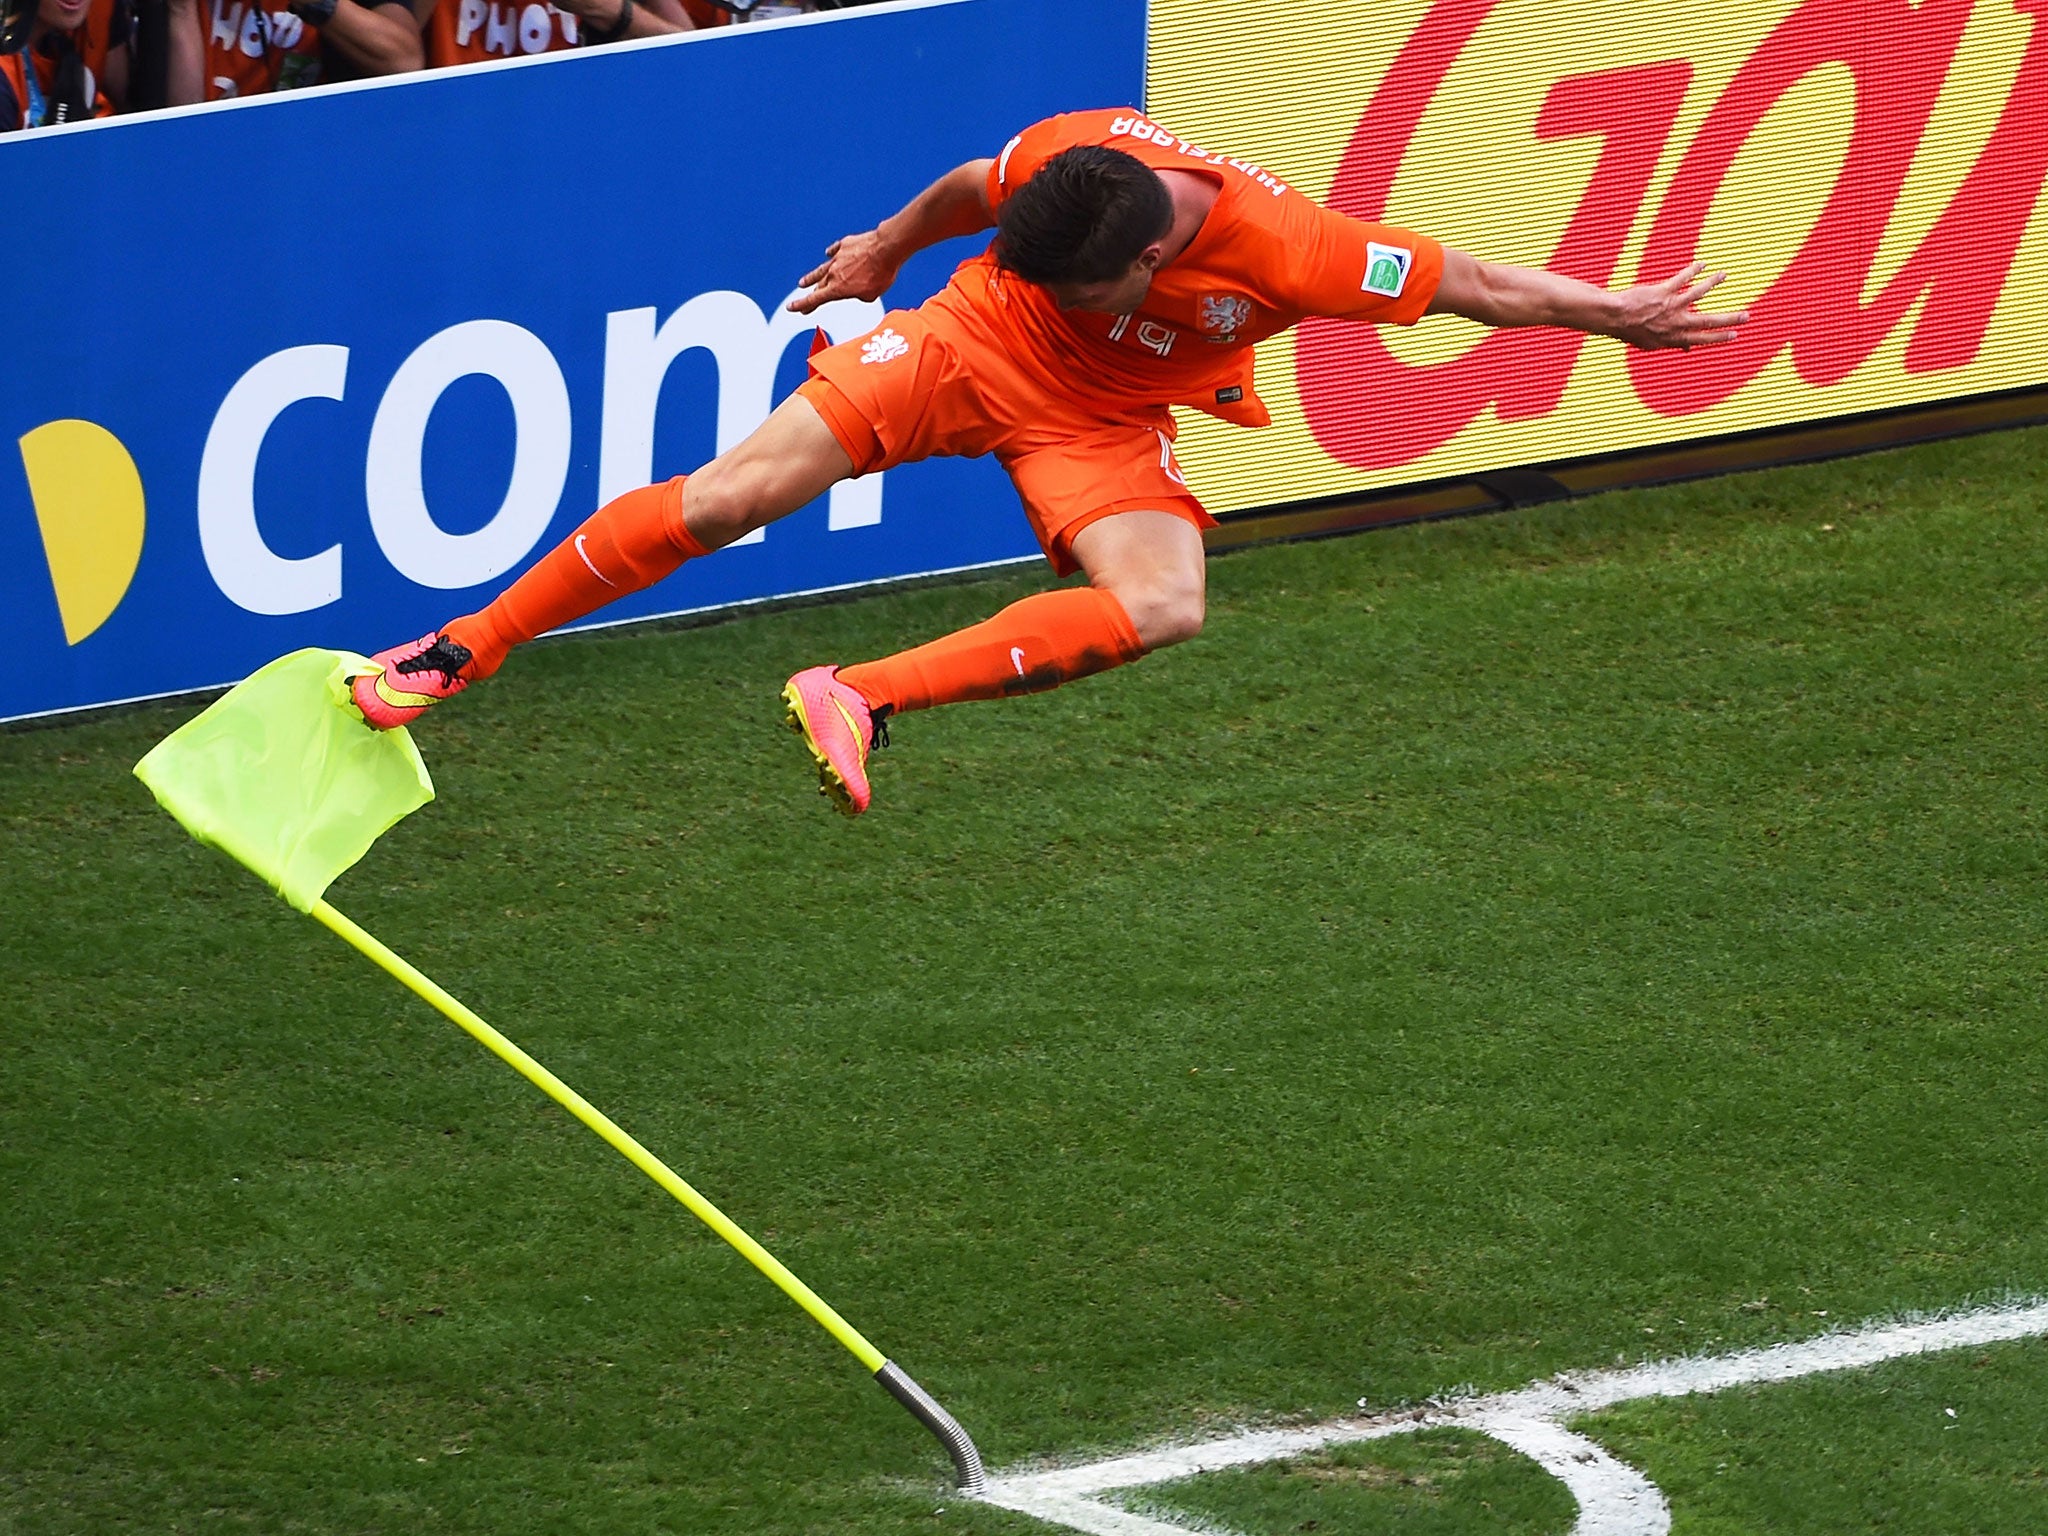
<point>1492,947</point>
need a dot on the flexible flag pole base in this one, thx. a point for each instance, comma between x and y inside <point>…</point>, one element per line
<point>927,1411</point>
<point>922,1405</point>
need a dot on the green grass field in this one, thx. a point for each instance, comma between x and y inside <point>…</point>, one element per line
<point>1434,1483</point>
<point>1493,948</point>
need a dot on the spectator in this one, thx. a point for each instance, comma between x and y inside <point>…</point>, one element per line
<point>226,48</point>
<point>472,31</point>
<point>105,43</point>
<point>71,63</point>
<point>363,38</point>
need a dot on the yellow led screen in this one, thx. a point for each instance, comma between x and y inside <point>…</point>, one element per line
<point>1869,174</point>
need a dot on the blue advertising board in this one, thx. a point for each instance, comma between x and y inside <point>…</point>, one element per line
<point>329,368</point>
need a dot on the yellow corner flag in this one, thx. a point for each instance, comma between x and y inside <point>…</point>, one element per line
<point>283,775</point>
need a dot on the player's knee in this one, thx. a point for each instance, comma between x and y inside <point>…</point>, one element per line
<point>720,504</point>
<point>1166,613</point>
<point>1180,618</point>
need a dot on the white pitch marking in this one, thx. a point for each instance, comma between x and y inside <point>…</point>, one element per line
<point>1614,1499</point>
<point>1079,1514</point>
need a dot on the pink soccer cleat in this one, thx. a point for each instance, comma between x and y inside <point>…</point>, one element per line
<point>410,680</point>
<point>839,728</point>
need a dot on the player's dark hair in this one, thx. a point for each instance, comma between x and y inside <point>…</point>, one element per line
<point>1083,217</point>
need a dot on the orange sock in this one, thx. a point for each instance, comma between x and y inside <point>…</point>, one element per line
<point>1030,646</point>
<point>625,546</point>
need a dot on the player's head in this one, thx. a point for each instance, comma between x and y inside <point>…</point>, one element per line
<point>1088,227</point>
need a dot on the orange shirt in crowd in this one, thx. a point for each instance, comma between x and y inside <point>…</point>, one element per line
<point>1265,257</point>
<point>16,98</point>
<point>251,51</point>
<point>105,27</point>
<point>108,25</point>
<point>471,31</point>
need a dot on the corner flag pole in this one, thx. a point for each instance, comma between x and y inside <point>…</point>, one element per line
<point>894,1380</point>
<point>282,774</point>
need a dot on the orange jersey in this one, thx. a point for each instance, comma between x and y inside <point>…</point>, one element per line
<point>251,50</point>
<point>107,26</point>
<point>471,31</point>
<point>19,91</point>
<point>1265,257</point>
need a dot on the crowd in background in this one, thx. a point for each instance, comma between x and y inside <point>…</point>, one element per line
<point>65,60</point>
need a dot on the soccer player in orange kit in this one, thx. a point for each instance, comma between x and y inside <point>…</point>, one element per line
<point>1131,271</point>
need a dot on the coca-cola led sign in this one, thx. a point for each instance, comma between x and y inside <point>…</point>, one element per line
<point>1869,173</point>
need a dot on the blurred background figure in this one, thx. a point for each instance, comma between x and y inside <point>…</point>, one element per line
<point>62,61</point>
<point>472,31</point>
<point>220,49</point>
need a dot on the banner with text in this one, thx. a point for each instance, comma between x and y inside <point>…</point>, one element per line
<point>1869,174</point>
<point>330,367</point>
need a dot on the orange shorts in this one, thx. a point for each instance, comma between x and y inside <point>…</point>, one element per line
<point>925,382</point>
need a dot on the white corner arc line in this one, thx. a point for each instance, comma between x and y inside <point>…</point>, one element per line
<point>1096,1519</point>
<point>1614,1499</point>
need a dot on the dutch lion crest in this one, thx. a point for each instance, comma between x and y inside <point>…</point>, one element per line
<point>1223,314</point>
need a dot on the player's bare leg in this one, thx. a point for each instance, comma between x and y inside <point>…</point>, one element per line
<point>1154,565</point>
<point>627,545</point>
<point>1145,587</point>
<point>787,462</point>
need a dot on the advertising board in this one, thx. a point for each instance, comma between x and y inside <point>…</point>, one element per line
<point>1869,174</point>
<point>330,367</point>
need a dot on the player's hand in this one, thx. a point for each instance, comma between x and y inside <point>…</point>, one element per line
<point>1660,316</point>
<point>855,267</point>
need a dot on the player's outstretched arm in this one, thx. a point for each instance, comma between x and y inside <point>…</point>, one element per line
<point>863,266</point>
<point>1651,316</point>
